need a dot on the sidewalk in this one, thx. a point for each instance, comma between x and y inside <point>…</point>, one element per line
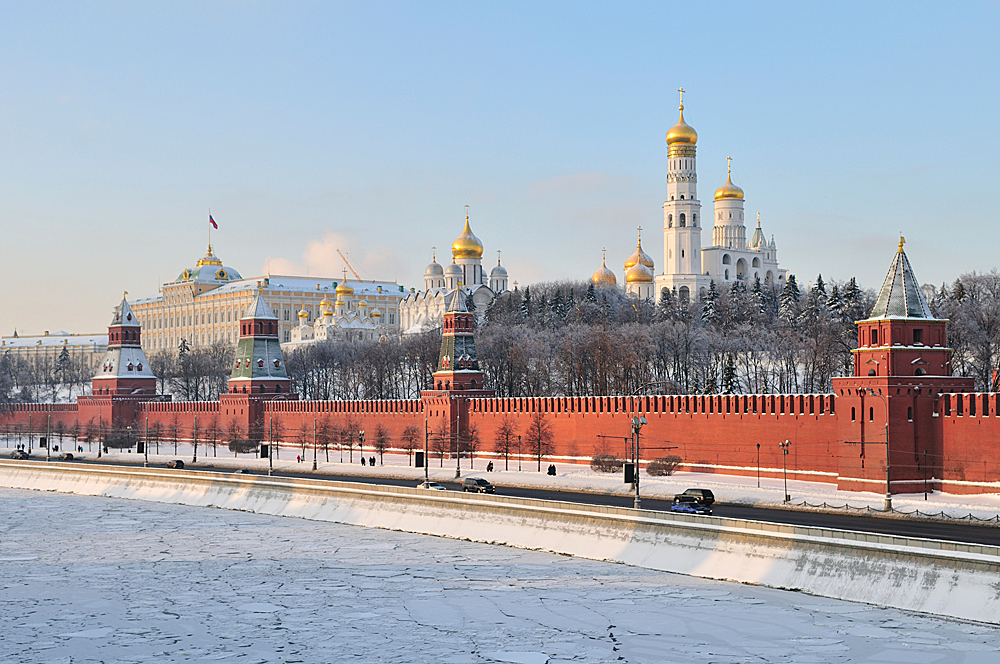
<point>575,477</point>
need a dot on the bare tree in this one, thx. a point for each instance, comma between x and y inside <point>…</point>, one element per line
<point>174,429</point>
<point>212,432</point>
<point>472,443</point>
<point>505,439</point>
<point>410,440</point>
<point>234,434</point>
<point>539,437</point>
<point>382,442</point>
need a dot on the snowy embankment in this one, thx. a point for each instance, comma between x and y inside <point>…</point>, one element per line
<point>923,575</point>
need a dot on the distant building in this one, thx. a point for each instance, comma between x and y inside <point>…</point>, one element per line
<point>203,305</point>
<point>87,350</point>
<point>346,319</point>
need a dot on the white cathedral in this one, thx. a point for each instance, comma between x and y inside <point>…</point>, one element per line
<point>688,268</point>
<point>424,310</point>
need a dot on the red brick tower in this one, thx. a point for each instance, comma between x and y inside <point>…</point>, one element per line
<point>125,370</point>
<point>258,373</point>
<point>458,376</point>
<point>901,366</point>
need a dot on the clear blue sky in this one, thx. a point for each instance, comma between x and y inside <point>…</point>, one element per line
<point>369,126</point>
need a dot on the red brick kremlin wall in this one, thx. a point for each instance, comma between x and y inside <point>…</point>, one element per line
<point>960,432</point>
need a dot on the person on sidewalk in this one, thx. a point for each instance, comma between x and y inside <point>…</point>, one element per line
<point>362,461</point>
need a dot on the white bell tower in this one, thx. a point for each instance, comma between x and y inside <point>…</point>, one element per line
<point>682,215</point>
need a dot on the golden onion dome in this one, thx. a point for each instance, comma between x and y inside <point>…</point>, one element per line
<point>638,274</point>
<point>328,312</point>
<point>682,133</point>
<point>324,304</point>
<point>303,314</point>
<point>604,276</point>
<point>362,304</point>
<point>376,313</point>
<point>728,190</point>
<point>467,245</point>
<point>344,289</point>
<point>639,257</point>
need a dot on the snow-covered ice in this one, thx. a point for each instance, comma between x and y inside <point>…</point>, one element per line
<point>88,579</point>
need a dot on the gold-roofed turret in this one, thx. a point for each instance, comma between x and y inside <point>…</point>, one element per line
<point>638,274</point>
<point>303,314</point>
<point>682,134</point>
<point>640,256</point>
<point>467,245</point>
<point>604,276</point>
<point>729,190</point>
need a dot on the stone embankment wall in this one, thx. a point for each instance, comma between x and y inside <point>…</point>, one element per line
<point>923,575</point>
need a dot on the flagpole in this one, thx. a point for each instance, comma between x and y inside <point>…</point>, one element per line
<point>210,230</point>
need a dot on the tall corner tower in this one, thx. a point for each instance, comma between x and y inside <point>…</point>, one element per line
<point>682,213</point>
<point>125,370</point>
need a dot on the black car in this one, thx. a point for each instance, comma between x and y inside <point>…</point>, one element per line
<point>66,456</point>
<point>19,454</point>
<point>689,505</point>
<point>176,463</point>
<point>703,495</point>
<point>244,471</point>
<point>477,485</point>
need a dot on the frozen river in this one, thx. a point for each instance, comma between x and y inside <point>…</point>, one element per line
<point>86,579</point>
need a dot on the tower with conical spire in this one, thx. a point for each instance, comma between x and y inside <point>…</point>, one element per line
<point>125,370</point>
<point>902,366</point>
<point>258,366</point>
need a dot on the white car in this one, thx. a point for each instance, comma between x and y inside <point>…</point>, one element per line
<point>431,485</point>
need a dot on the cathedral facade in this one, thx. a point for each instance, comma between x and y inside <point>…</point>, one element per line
<point>424,310</point>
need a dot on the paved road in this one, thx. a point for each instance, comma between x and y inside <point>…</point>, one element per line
<point>949,531</point>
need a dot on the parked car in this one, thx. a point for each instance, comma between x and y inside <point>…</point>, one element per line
<point>19,454</point>
<point>477,485</point>
<point>703,495</point>
<point>689,505</point>
<point>431,485</point>
<point>244,471</point>
<point>66,456</point>
<point>176,463</point>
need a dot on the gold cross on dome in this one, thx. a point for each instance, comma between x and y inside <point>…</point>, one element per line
<point>466,212</point>
<point>681,90</point>
<point>729,165</point>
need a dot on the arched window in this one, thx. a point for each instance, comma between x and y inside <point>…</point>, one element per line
<point>694,220</point>
<point>670,221</point>
<point>720,216</point>
<point>756,262</point>
<point>852,414</point>
<point>683,294</point>
<point>871,414</point>
<point>871,372</point>
<point>727,275</point>
<point>682,220</point>
<point>920,371</point>
<point>726,260</point>
<point>682,197</point>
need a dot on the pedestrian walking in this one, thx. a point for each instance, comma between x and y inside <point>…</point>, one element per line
<point>362,461</point>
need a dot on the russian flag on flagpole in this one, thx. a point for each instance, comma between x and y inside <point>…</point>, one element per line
<point>212,221</point>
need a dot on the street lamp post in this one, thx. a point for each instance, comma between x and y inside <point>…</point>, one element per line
<point>314,442</point>
<point>145,444</point>
<point>361,443</point>
<point>758,465</point>
<point>888,485</point>
<point>925,474</point>
<point>784,467</point>
<point>48,437</point>
<point>519,454</point>
<point>637,423</point>
<point>426,455</point>
<point>270,446</point>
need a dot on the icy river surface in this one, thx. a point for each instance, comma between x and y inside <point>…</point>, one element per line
<point>85,579</point>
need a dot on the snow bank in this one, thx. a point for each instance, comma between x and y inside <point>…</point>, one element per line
<point>943,578</point>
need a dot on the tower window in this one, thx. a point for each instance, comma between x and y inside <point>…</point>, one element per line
<point>874,337</point>
<point>694,220</point>
<point>871,414</point>
<point>852,414</point>
<point>670,221</point>
<point>683,221</point>
<point>682,197</point>
<point>682,253</point>
<point>918,337</point>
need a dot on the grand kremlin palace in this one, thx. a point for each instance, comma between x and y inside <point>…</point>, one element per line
<point>204,304</point>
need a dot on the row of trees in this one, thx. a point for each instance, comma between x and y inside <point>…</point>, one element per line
<point>574,339</point>
<point>324,434</point>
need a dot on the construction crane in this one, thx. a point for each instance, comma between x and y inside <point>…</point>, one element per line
<point>344,258</point>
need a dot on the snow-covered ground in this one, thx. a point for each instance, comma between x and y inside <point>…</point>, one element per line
<point>87,579</point>
<point>579,477</point>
